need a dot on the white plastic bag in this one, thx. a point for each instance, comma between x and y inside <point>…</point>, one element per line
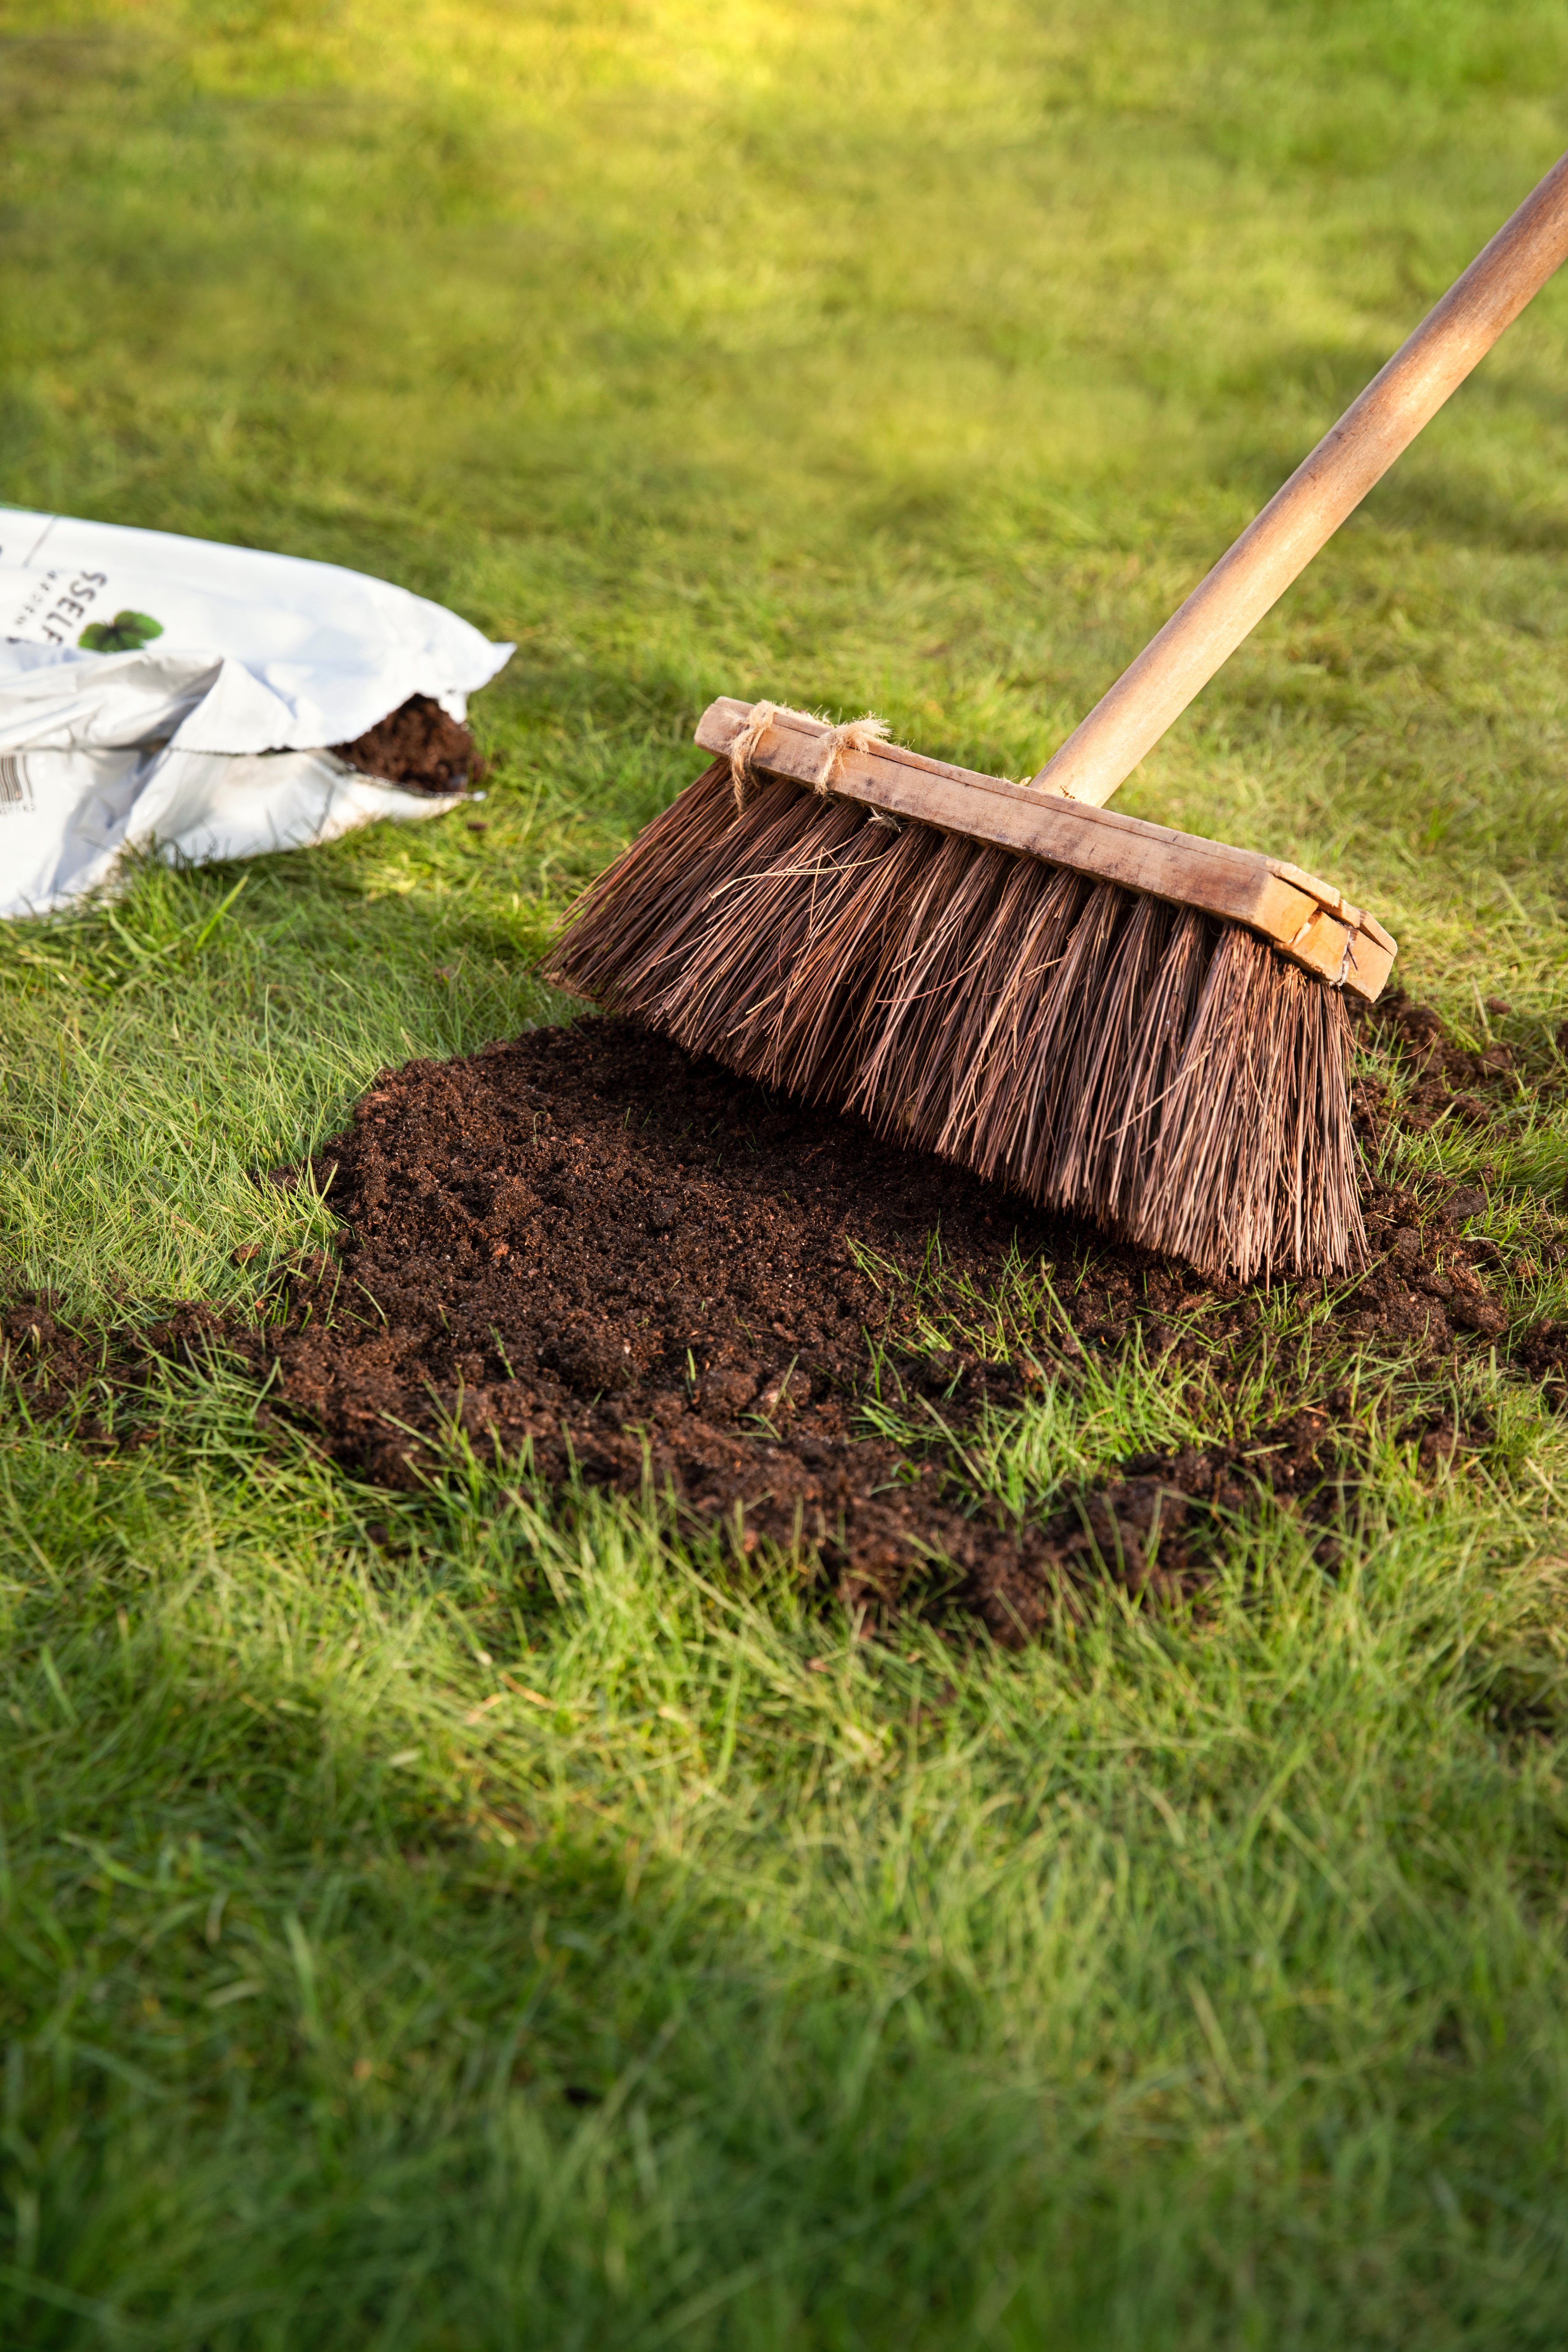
<point>170,694</point>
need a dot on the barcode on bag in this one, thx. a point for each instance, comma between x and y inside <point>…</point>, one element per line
<point>16,792</point>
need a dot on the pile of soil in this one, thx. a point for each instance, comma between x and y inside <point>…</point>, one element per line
<point>1434,1077</point>
<point>585,1242</point>
<point>419,746</point>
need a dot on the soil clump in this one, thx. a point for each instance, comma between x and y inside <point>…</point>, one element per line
<point>636,1265</point>
<point>419,746</point>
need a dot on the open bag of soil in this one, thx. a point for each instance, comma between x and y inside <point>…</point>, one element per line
<point>205,702</point>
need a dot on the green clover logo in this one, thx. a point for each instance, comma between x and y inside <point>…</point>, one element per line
<point>124,634</point>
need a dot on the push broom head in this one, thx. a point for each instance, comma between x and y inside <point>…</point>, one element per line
<point>1134,1024</point>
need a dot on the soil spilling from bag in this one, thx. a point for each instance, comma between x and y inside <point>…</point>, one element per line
<point>419,746</point>
<point>636,1265</point>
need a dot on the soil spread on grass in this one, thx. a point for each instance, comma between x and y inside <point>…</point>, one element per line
<point>638,1265</point>
<point>419,746</point>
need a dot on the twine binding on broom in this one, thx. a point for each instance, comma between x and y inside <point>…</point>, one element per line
<point>855,735</point>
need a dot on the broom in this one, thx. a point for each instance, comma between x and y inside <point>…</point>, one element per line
<point>1136,1024</point>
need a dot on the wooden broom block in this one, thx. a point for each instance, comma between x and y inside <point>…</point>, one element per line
<point>1305,920</point>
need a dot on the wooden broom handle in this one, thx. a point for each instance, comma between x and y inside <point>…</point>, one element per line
<point>1103,751</point>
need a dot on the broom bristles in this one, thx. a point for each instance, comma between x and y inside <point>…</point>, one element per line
<point>1170,1077</point>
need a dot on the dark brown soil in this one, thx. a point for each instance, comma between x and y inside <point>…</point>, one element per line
<point>1442,1079</point>
<point>419,745</point>
<point>584,1245</point>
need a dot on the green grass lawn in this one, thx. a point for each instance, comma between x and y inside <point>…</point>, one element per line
<point>1184,1981</point>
